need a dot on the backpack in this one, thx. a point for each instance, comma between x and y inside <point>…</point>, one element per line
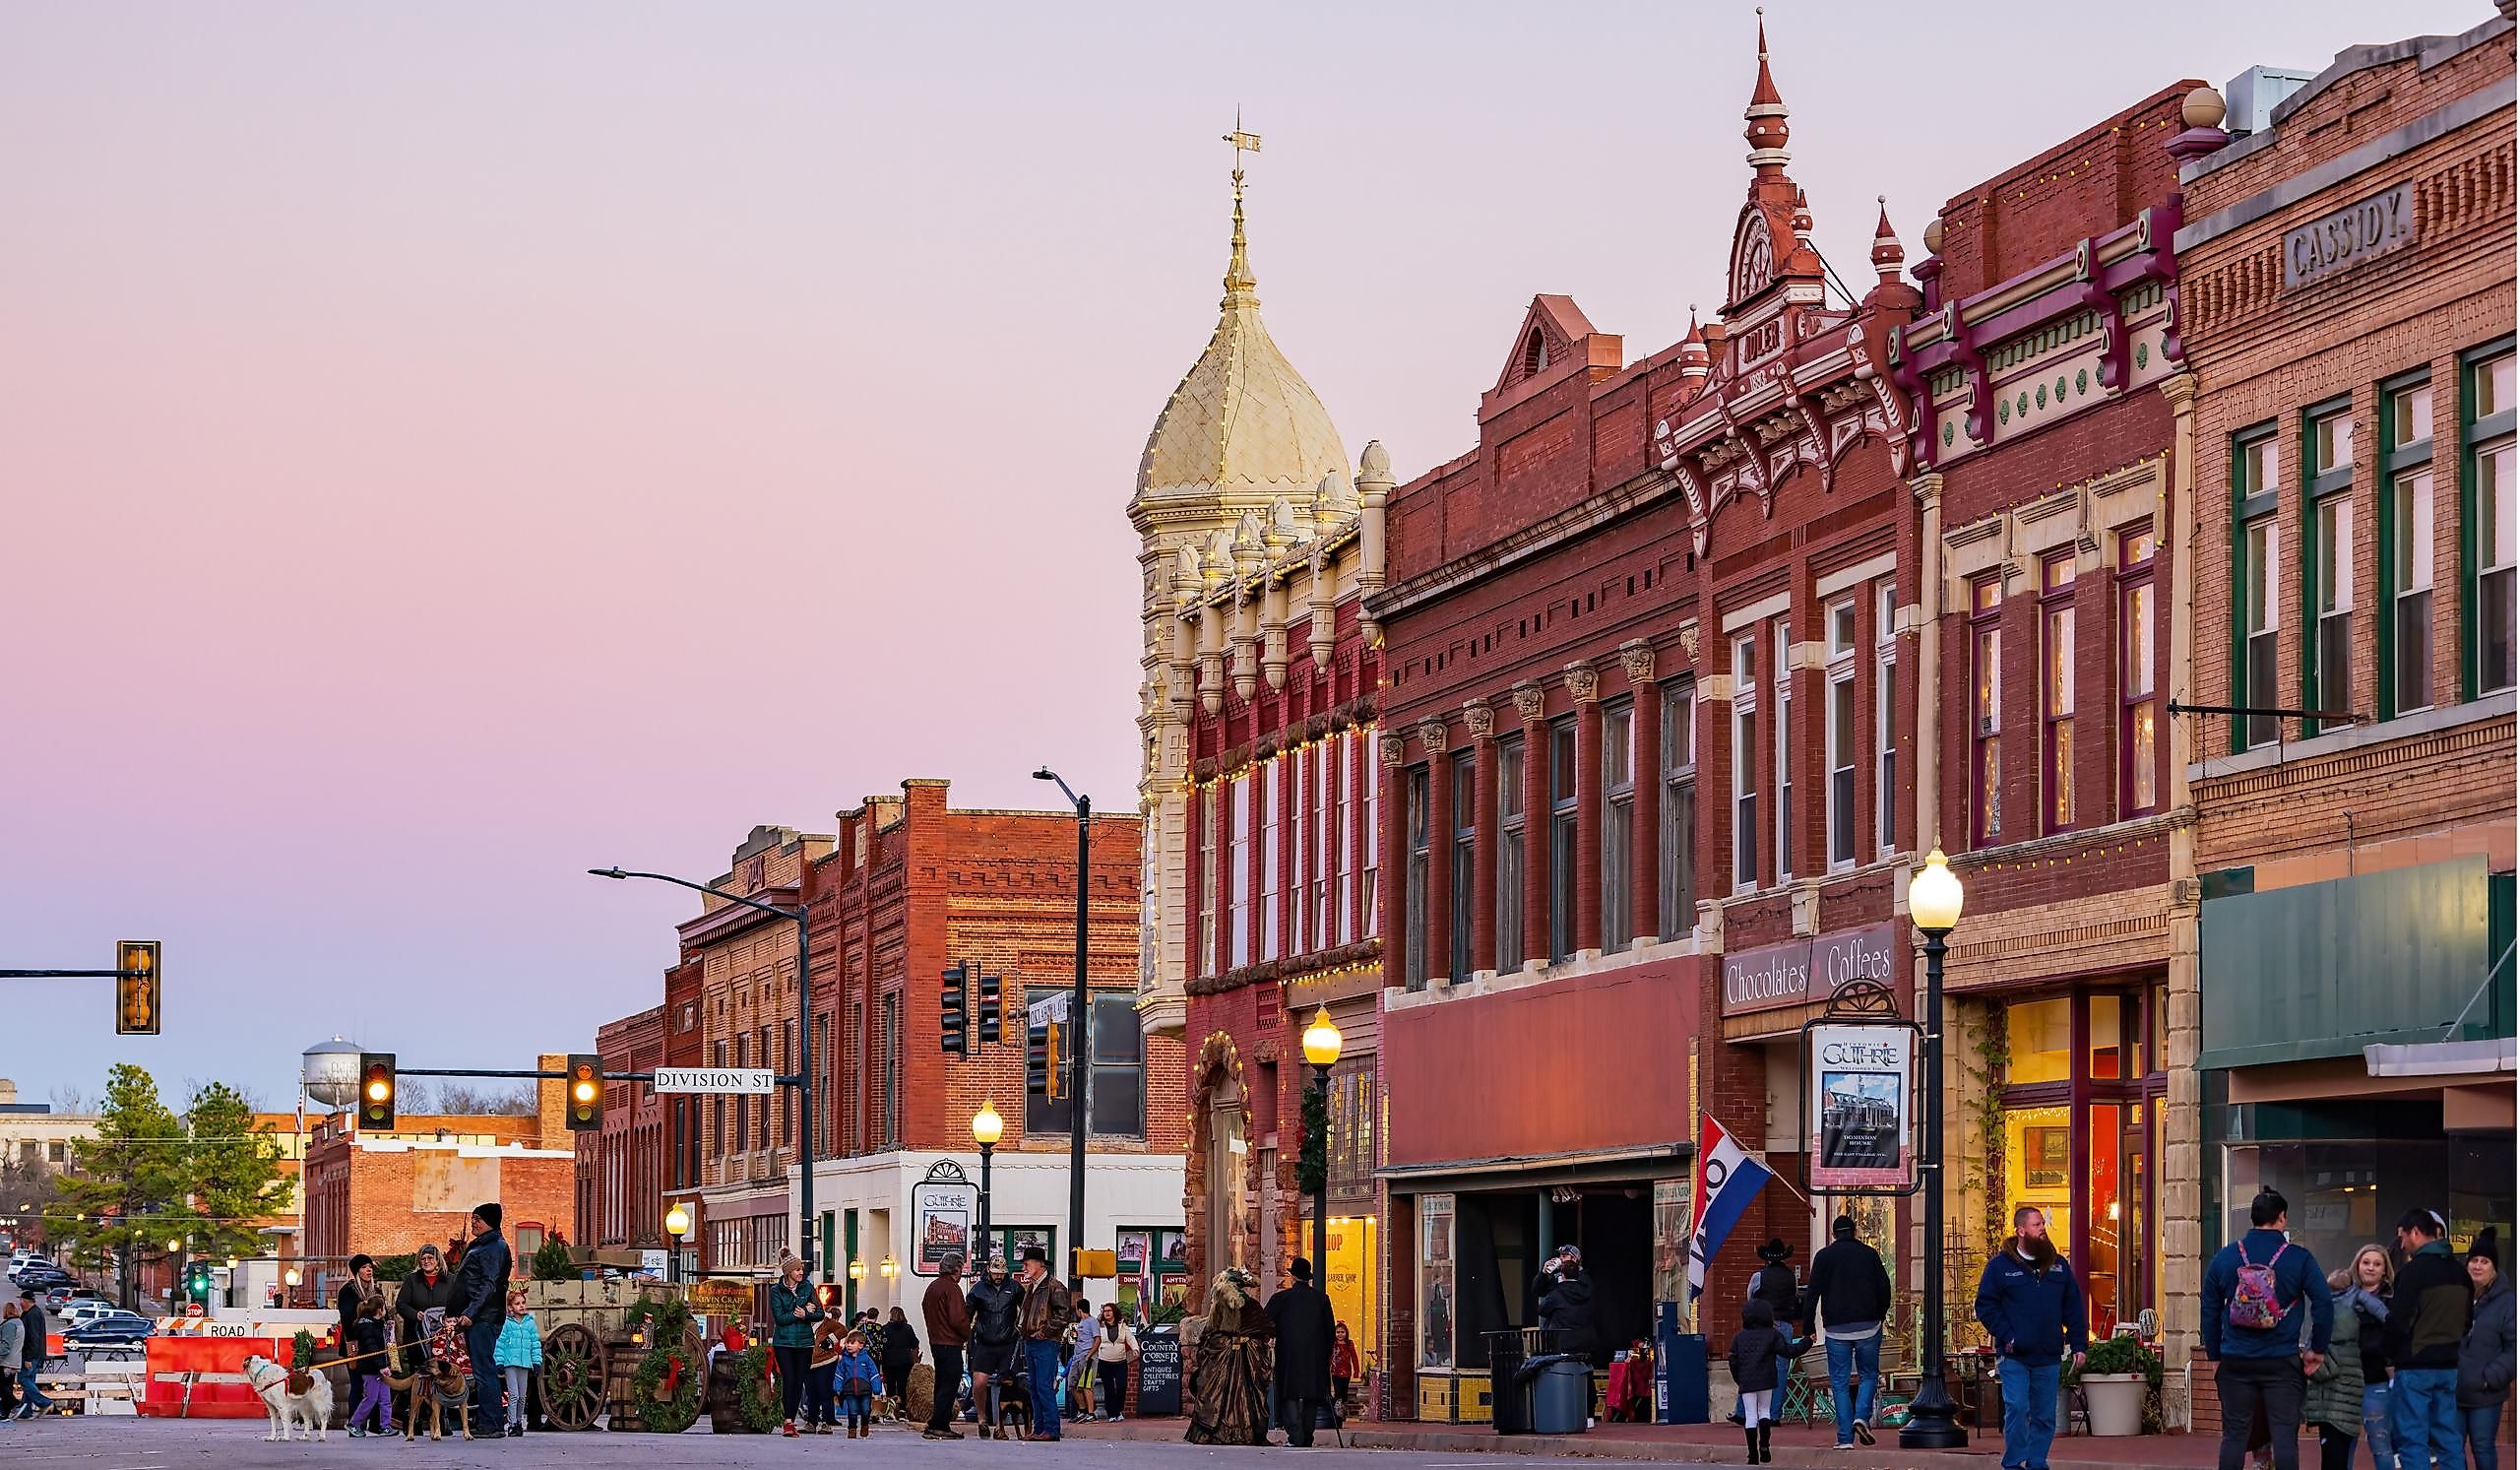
<point>2253,1306</point>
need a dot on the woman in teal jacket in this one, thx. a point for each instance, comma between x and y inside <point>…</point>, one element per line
<point>795,1307</point>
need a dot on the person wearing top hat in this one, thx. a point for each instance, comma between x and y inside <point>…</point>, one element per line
<point>1301,1316</point>
<point>2484,1354</point>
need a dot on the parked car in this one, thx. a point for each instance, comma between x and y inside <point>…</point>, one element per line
<point>31,1263</point>
<point>112,1329</point>
<point>36,1286</point>
<point>84,1309</point>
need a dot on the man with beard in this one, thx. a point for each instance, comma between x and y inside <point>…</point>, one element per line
<point>2032,1308</point>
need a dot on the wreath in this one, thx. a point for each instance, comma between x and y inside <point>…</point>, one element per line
<point>756,1392</point>
<point>664,1388</point>
<point>301,1361</point>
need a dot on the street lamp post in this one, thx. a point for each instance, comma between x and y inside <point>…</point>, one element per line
<point>677,1225</point>
<point>1079,1030</point>
<point>804,1080</point>
<point>1321,1043</point>
<point>1933,905</point>
<point>986,1128</point>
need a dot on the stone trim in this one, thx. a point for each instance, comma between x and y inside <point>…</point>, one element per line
<point>2455,728</point>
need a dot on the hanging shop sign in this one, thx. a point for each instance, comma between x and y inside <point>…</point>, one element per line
<point>1801,972</point>
<point>1859,1091</point>
<point>944,1210</point>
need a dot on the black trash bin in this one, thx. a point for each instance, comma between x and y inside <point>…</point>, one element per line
<point>1557,1387</point>
<point>1510,1396</point>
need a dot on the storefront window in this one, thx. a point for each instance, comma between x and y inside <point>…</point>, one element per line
<point>2107,1043</point>
<point>2042,1034</point>
<point>1435,1281</point>
<point>2039,1167</point>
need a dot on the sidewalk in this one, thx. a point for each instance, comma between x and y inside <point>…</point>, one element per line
<point>1802,1445</point>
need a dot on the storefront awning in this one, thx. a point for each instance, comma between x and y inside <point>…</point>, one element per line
<point>2444,1059</point>
<point>1645,1161</point>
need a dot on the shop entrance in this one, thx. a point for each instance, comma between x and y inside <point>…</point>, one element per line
<point>1503,1237</point>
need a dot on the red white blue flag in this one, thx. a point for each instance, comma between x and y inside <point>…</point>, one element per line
<point>1727,1180</point>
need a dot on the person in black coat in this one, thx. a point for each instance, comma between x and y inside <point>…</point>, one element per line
<point>429,1288</point>
<point>1301,1315</point>
<point>348,1301</point>
<point>1851,1297</point>
<point>1568,1306</point>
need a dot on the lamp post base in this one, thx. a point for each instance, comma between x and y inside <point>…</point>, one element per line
<point>1932,1418</point>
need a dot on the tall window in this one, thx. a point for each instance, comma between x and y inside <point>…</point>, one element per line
<point>2056,688</point>
<point>1116,1080</point>
<point>1677,868</point>
<point>1299,764</point>
<point>1206,896</point>
<point>1885,723</point>
<point>1745,752</point>
<point>1464,776</point>
<point>1509,855</point>
<point>1237,871</point>
<point>892,1070</point>
<point>2331,564</point>
<point>1783,676</point>
<point>1415,899</point>
<point>1322,763</point>
<point>1341,831</point>
<point>2495,533</point>
<point>1272,825</point>
<point>1986,710</point>
<point>1561,840</point>
<point>1844,743</point>
<point>2406,548</point>
<point>2137,738</point>
<point>1369,832</point>
<point>1618,822</point>
<point>2261,624</point>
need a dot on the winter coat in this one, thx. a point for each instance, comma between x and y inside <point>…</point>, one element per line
<point>998,1312</point>
<point>2334,1397</point>
<point>1570,1309</point>
<point>1753,1355</point>
<point>481,1282</point>
<point>2372,1330</point>
<point>1048,1312</point>
<point>520,1344</point>
<point>787,1330</point>
<point>2033,1316</point>
<point>1304,1321</point>
<point>1774,1285</point>
<point>2485,1356</point>
<point>2299,1286</point>
<point>855,1374</point>
<point>367,1340</point>
<point>1850,1288</point>
<point>418,1294</point>
<point>2428,1315</point>
<point>13,1344</point>
<point>900,1350</point>
<point>949,1316</point>
<point>38,1345</point>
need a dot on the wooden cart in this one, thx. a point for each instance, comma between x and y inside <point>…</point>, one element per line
<point>589,1351</point>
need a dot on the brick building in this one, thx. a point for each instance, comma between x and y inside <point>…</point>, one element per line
<point>2347,312</point>
<point>1259,793</point>
<point>2044,378</point>
<point>622,1167</point>
<point>1609,901</point>
<point>388,1194</point>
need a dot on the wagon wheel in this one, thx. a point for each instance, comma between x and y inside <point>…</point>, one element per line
<point>572,1377</point>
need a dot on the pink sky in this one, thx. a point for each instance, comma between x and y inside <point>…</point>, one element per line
<point>450,447</point>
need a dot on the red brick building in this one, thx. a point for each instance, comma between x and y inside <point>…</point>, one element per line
<point>2044,380</point>
<point>1658,601</point>
<point>622,1169</point>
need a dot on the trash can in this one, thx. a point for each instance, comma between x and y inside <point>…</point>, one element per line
<point>1559,1387</point>
<point>1510,1398</point>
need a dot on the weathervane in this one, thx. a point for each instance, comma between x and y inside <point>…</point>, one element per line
<point>1242,143</point>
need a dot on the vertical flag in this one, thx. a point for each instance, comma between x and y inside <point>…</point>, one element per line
<point>1727,1180</point>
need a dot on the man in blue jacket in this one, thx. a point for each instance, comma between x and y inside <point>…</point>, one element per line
<point>480,1307</point>
<point>2031,1307</point>
<point>2264,1366</point>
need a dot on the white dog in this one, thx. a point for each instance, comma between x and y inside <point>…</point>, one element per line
<point>313,1409</point>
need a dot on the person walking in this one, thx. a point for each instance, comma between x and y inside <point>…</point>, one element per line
<point>2333,1399</point>
<point>1849,1300</point>
<point>1230,1380</point>
<point>13,1354</point>
<point>517,1354</point>
<point>856,1379</point>
<point>1114,1345</point>
<point>898,1353</point>
<point>481,1296</point>
<point>346,1303</point>
<point>1568,1306</point>
<point>1757,1353</point>
<point>1078,1343</point>
<point>1299,1314</point>
<point>1047,1312</point>
<point>996,1348</point>
<point>2484,1354</point>
<point>793,1310</point>
<point>949,1328</point>
<point>1774,1283</point>
<point>2428,1321</point>
<point>1345,1369</point>
<point>32,1399</point>
<point>2369,1283</point>
<point>829,1329</point>
<point>421,1303</point>
<point>2258,1291</point>
<point>2032,1308</point>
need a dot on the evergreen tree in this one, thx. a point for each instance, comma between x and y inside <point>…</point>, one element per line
<point>231,1172</point>
<point>128,1182</point>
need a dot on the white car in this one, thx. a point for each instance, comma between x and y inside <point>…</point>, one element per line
<point>83,1310</point>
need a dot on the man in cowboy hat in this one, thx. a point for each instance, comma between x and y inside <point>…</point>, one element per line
<point>1775,1285</point>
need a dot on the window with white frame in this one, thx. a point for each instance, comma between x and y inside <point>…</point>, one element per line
<point>2056,690</point>
<point>1298,763</point>
<point>1237,871</point>
<point>2332,635</point>
<point>2495,547</point>
<point>1678,865</point>
<point>1562,860</point>
<point>1324,764</point>
<point>1414,889</point>
<point>1272,823</point>
<point>1619,821</point>
<point>1745,751</point>
<point>1842,740</point>
<point>1369,832</point>
<point>2261,624</point>
<point>1207,898</point>
<point>1885,723</point>
<point>2411,588</point>
<point>1783,676</point>
<point>1986,710</point>
<point>1462,912</point>
<point>1510,849</point>
<point>2138,737</point>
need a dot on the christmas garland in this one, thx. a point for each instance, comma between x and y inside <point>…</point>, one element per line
<point>756,1394</point>
<point>665,1323</point>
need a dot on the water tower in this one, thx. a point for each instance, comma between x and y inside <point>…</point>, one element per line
<point>328,1073</point>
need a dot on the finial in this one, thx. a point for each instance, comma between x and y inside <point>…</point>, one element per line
<point>1240,282</point>
<point>1766,113</point>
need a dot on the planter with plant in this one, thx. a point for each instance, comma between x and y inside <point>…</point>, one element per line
<point>2118,1377</point>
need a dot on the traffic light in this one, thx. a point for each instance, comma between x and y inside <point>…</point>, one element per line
<point>1037,1058</point>
<point>136,987</point>
<point>1055,1037</point>
<point>992,1008</point>
<point>953,1023</point>
<point>196,1280</point>
<point>376,1089</point>
<point>586,1093</point>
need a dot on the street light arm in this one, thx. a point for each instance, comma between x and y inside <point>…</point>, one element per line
<point>1073,799</point>
<point>664,877</point>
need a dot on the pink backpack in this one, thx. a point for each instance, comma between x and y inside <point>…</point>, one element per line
<point>2253,1304</point>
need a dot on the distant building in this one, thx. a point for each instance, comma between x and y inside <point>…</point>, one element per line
<point>622,1167</point>
<point>32,1136</point>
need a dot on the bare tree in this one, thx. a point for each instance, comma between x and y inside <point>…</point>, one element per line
<point>68,1096</point>
<point>482,1099</point>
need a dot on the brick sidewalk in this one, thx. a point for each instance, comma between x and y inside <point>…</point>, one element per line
<point>1802,1445</point>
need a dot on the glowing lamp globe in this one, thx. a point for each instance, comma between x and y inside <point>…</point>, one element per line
<point>1933,895</point>
<point>987,1126</point>
<point>678,1222</point>
<point>1321,1039</point>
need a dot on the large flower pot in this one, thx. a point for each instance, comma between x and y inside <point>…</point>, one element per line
<point>2116,1402</point>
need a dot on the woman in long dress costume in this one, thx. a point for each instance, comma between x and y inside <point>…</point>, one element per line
<point>1229,1403</point>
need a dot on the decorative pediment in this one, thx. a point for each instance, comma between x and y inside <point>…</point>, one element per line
<point>1554,331</point>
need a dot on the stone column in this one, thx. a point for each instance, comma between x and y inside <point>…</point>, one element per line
<point>2182,1163</point>
<point>1530,705</point>
<point>1645,832</point>
<point>1480,717</point>
<point>1432,738</point>
<point>1584,686</point>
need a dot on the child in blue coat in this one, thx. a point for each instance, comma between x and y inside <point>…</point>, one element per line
<point>855,1380</point>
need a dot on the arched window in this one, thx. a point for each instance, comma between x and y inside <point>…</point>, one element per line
<point>1534,353</point>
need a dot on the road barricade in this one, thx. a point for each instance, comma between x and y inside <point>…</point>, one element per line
<point>197,1365</point>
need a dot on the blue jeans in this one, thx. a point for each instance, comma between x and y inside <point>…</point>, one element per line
<point>489,1403</point>
<point>28,1392</point>
<point>2376,1427</point>
<point>2423,1417</point>
<point>1853,1400</point>
<point>2030,1411</point>
<point>2479,1423</point>
<point>1044,1368</point>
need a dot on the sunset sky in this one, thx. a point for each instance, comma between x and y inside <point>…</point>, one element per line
<point>449,447</point>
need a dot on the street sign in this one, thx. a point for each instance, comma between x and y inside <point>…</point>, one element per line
<point>714,1079</point>
<point>718,1298</point>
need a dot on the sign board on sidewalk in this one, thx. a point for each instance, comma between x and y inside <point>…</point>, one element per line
<point>714,1079</point>
<point>720,1297</point>
<point>1862,1077</point>
<point>652,1262</point>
